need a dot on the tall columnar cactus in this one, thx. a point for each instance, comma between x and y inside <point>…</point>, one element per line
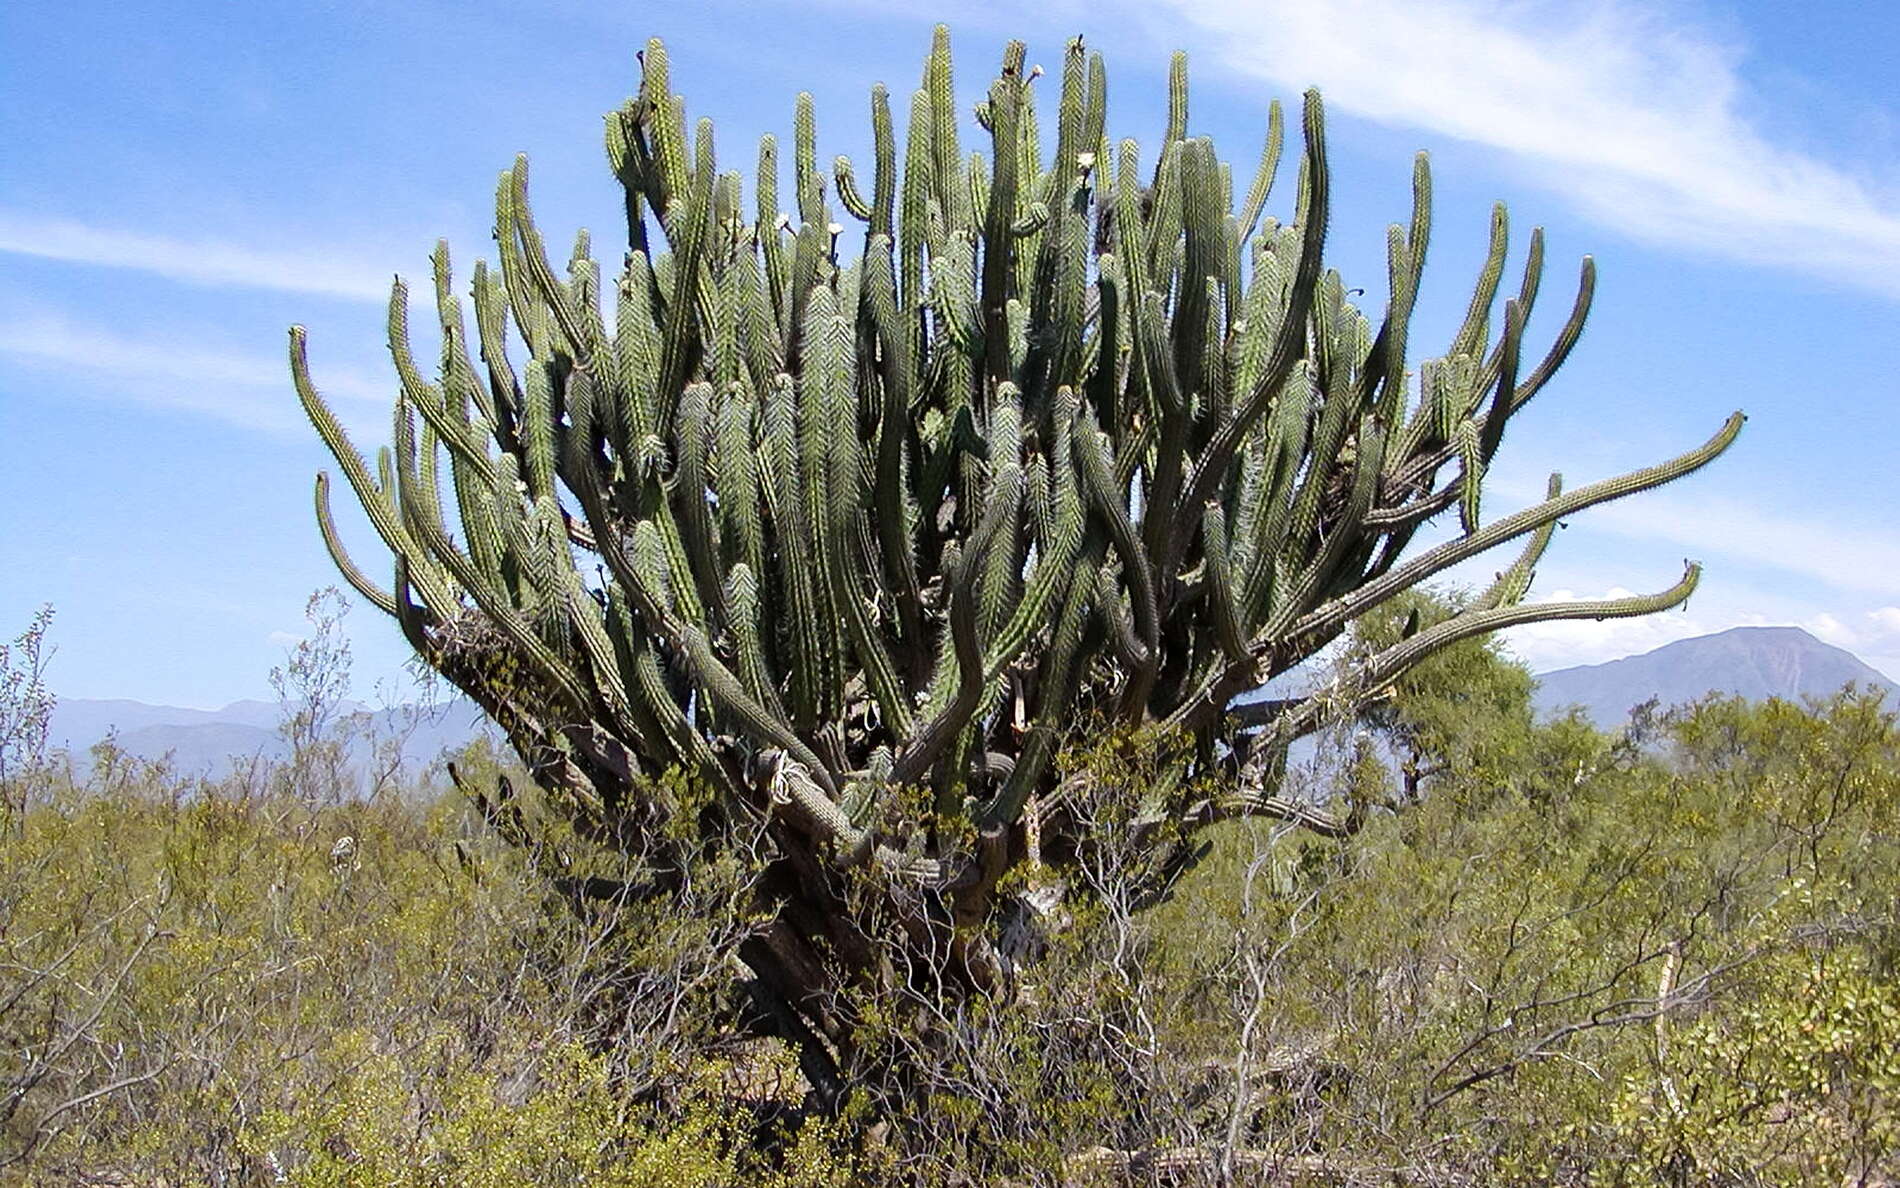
<point>906,487</point>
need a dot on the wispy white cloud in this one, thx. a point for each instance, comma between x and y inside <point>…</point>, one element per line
<point>327,272</point>
<point>1825,551</point>
<point>250,390</point>
<point>1831,550</point>
<point>1565,643</point>
<point>1632,112</point>
<point>1873,635</point>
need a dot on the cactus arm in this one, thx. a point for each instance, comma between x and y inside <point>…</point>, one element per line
<point>1006,102</point>
<point>1437,560</point>
<point>947,167</point>
<point>742,598</point>
<point>1073,117</point>
<point>1418,233</point>
<point>428,399</point>
<point>1511,585</point>
<point>805,180</point>
<point>928,742</point>
<point>848,194</point>
<point>532,252</point>
<point>1058,671</point>
<point>734,477</point>
<point>1222,599</point>
<point>1373,674</point>
<point>491,304</point>
<point>1003,499</point>
<point>412,619</point>
<point>1108,503</point>
<point>470,466</point>
<point>1473,332</point>
<point>1068,242</point>
<point>1262,187</point>
<point>1315,205</point>
<point>666,116</point>
<point>359,581</point>
<point>693,432</point>
<point>1053,572</point>
<point>377,501</point>
<point>1202,222</point>
<point>823,433</point>
<point>538,423</point>
<point>782,487</point>
<point>1567,337</point>
<point>637,356</point>
<point>912,222</point>
<point>766,226</point>
<point>632,165</point>
<point>458,367</point>
<point>1510,349</point>
<point>680,341</point>
<point>884,158</point>
<point>893,422</point>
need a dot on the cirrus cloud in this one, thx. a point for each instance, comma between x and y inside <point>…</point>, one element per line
<point>326,272</point>
<point>1628,109</point>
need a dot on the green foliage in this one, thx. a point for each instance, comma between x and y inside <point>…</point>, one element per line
<point>26,710</point>
<point>209,985</point>
<point>1608,967</point>
<point>572,1126</point>
<point>1464,709</point>
<point>1798,1083</point>
<point>1616,966</point>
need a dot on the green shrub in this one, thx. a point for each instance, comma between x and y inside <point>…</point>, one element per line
<point>1597,964</point>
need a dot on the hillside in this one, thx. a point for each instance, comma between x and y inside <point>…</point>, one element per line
<point>209,742</point>
<point>1754,662</point>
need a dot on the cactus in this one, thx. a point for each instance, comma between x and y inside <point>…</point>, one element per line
<point>1029,443</point>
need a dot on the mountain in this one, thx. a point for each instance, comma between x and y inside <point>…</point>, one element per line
<point>1754,662</point>
<point>209,742</point>
<point>78,722</point>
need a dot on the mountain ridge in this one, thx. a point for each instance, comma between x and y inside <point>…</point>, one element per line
<point>1751,662</point>
<point>211,743</point>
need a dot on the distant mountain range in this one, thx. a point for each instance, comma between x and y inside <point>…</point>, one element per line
<point>210,742</point>
<point>1752,662</point>
<point>1755,662</point>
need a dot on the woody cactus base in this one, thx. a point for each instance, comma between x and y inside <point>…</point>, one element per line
<point>858,515</point>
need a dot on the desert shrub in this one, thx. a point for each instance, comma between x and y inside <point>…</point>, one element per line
<point>208,984</point>
<point>1570,959</point>
<point>26,710</point>
<point>1627,967</point>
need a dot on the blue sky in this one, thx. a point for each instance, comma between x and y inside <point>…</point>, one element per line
<point>182,182</point>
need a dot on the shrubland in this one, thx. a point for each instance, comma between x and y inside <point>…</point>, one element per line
<point>1664,956</point>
